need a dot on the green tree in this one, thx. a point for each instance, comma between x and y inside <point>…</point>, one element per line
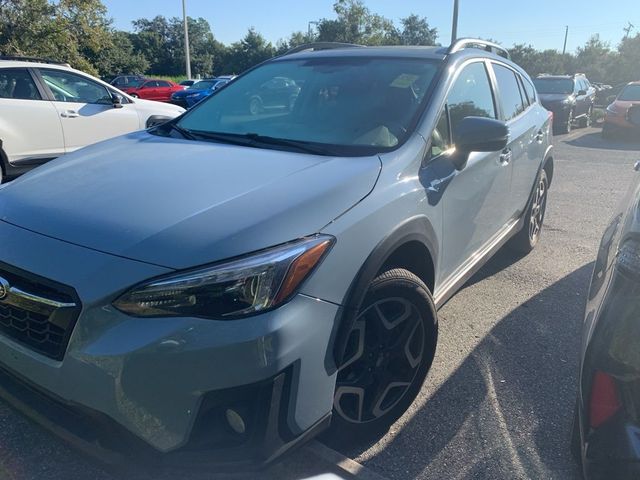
<point>246,53</point>
<point>74,31</point>
<point>416,31</point>
<point>357,24</point>
<point>594,59</point>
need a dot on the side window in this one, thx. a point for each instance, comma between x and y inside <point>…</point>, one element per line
<point>470,96</point>
<point>163,84</point>
<point>440,137</point>
<point>69,87</point>
<point>583,85</point>
<point>523,94</point>
<point>18,84</point>
<point>529,89</point>
<point>510,97</point>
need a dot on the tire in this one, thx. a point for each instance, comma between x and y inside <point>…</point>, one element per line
<point>388,354</point>
<point>567,125</point>
<point>526,239</point>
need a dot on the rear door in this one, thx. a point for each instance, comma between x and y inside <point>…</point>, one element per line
<point>86,109</point>
<point>524,125</point>
<point>163,91</point>
<point>30,129</point>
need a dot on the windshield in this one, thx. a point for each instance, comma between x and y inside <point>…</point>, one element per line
<point>631,93</point>
<point>204,85</point>
<point>359,106</point>
<point>554,85</point>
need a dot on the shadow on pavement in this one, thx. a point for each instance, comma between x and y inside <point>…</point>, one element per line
<point>595,140</point>
<point>526,364</point>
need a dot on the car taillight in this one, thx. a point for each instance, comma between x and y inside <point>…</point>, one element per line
<point>605,401</point>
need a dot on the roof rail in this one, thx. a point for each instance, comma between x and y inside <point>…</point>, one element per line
<point>321,46</point>
<point>33,59</point>
<point>463,43</point>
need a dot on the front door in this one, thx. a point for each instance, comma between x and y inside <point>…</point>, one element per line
<point>86,109</point>
<point>475,198</point>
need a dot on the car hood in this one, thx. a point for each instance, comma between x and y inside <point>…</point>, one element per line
<point>553,97</point>
<point>157,108</point>
<point>180,203</point>
<point>624,104</point>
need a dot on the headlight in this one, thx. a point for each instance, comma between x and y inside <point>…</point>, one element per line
<point>191,95</point>
<point>567,101</point>
<point>232,289</point>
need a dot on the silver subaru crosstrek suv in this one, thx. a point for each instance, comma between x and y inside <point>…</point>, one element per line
<point>233,282</point>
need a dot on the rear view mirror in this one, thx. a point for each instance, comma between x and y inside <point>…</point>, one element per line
<point>478,134</point>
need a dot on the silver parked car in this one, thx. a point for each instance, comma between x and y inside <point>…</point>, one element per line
<point>235,281</point>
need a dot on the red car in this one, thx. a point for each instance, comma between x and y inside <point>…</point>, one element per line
<point>624,113</point>
<point>153,89</point>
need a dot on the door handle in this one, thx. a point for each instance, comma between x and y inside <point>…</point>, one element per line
<point>70,114</point>
<point>636,166</point>
<point>505,156</point>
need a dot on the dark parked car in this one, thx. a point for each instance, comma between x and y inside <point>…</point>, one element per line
<point>198,91</point>
<point>569,97</point>
<point>276,94</point>
<point>125,81</point>
<point>187,83</point>
<point>606,435</point>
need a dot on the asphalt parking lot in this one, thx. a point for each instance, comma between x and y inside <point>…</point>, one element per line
<point>498,401</point>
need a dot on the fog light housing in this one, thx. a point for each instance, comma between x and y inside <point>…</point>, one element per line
<point>235,421</point>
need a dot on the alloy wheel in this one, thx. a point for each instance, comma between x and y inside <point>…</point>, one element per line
<point>537,210</point>
<point>383,355</point>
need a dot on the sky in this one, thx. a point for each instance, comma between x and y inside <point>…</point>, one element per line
<point>537,22</point>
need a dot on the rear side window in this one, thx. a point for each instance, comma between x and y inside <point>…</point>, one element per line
<point>470,96</point>
<point>512,104</point>
<point>18,84</point>
<point>529,89</point>
<point>163,84</point>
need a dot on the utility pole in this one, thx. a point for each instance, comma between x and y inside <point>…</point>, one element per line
<point>627,29</point>
<point>454,28</point>
<point>187,55</point>
<point>566,34</point>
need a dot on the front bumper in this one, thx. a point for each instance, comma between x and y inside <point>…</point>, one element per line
<point>157,378</point>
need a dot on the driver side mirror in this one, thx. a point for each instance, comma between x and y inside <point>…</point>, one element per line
<point>582,92</point>
<point>478,134</point>
<point>116,100</point>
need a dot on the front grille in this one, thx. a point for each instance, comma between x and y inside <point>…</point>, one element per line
<point>36,312</point>
<point>32,329</point>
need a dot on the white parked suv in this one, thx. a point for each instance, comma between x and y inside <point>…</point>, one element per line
<point>48,109</point>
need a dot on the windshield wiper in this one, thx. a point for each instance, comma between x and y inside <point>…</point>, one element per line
<point>255,140</point>
<point>171,125</point>
<point>301,145</point>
